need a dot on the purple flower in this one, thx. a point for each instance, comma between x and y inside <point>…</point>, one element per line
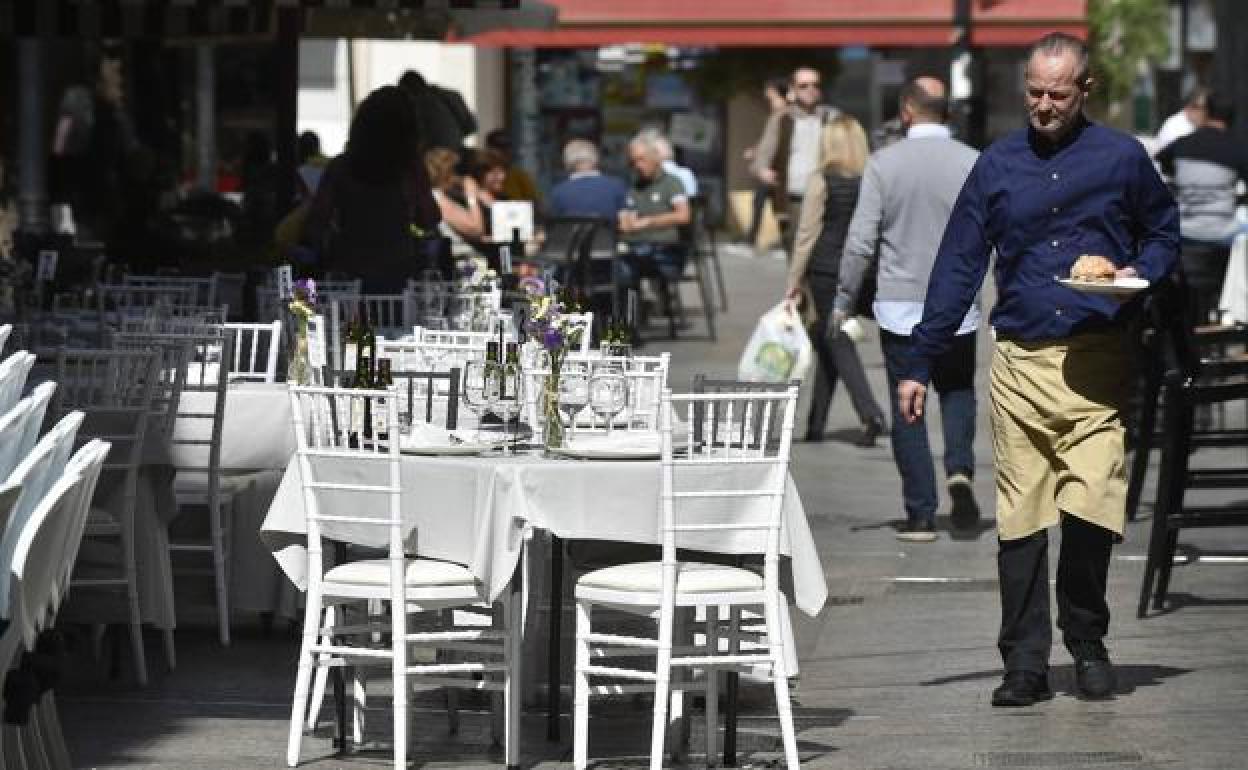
<point>552,338</point>
<point>305,289</point>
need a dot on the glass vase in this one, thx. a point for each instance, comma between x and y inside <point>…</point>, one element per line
<point>298,370</point>
<point>553,426</point>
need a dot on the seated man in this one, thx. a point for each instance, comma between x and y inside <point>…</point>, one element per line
<point>586,192</point>
<point>650,225</point>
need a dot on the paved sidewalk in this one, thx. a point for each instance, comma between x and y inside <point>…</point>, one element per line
<point>896,672</point>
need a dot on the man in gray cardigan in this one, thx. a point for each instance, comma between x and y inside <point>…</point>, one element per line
<point>908,190</point>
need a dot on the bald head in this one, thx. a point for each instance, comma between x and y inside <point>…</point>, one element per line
<point>924,100</point>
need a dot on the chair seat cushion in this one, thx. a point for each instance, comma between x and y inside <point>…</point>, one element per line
<point>692,578</point>
<point>420,572</point>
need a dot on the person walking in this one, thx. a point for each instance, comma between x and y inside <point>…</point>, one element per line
<point>908,190</point>
<point>776,95</point>
<point>826,208</point>
<point>1041,197</point>
<point>788,152</point>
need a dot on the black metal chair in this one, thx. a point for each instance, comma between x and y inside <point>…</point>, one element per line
<point>1179,478</point>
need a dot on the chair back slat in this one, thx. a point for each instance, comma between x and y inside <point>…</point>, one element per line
<point>114,390</point>
<point>203,289</point>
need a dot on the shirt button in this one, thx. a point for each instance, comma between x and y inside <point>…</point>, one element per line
<point>1058,311</point>
<point>1055,209</point>
<point>1055,175</point>
<point>1055,244</point>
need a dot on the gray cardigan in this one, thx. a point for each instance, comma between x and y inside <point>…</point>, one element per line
<point>908,190</point>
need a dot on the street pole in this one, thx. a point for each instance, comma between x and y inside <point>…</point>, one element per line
<point>962,74</point>
<point>32,149</point>
<point>205,118</point>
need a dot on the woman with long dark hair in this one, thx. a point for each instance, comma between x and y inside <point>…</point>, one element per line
<point>827,209</point>
<point>370,197</point>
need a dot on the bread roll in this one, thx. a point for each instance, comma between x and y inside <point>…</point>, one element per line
<point>1093,268</point>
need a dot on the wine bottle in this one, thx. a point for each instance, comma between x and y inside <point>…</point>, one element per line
<point>368,348</point>
<point>510,374</point>
<point>351,347</point>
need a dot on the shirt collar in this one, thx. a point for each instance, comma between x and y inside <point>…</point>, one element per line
<point>583,174</point>
<point>926,130</point>
<point>1043,148</point>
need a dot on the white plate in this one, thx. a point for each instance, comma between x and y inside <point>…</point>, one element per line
<point>447,450</point>
<point>598,448</point>
<point>1120,287</point>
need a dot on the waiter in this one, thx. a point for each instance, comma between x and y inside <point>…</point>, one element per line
<point>1041,197</point>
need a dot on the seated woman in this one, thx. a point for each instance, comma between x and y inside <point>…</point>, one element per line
<point>458,199</point>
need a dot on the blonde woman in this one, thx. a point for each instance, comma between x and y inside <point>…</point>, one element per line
<point>465,222</point>
<point>827,208</point>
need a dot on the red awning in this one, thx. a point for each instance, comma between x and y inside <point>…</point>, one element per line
<point>590,23</point>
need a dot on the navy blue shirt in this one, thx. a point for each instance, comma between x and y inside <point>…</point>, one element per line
<point>1041,206</point>
<point>588,195</point>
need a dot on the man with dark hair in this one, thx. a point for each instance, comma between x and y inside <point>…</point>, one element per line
<point>1040,198</point>
<point>445,118</point>
<point>788,152</point>
<point>900,214</point>
<point>1206,166</point>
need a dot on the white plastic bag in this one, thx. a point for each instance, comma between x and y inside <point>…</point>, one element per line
<point>778,350</point>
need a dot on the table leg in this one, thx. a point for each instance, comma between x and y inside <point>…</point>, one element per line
<point>340,709</point>
<point>730,720</point>
<point>553,678</point>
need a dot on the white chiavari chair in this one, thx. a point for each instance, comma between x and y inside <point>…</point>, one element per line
<point>698,480</point>
<point>5,331</point>
<point>256,347</point>
<point>12,739</point>
<point>13,373</point>
<point>429,356</point>
<point>430,297</point>
<point>42,558</point>
<point>176,357</point>
<point>114,389</point>
<point>203,288</point>
<point>351,489</point>
<point>199,481</point>
<point>646,376</point>
<point>20,426</point>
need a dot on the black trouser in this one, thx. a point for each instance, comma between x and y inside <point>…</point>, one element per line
<point>1082,614</point>
<point>835,354</point>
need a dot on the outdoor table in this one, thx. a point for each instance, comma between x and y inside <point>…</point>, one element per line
<point>479,510</point>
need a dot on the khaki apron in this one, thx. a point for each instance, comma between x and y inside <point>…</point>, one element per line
<point>1057,431</point>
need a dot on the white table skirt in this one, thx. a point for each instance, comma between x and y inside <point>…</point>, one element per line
<point>476,511</point>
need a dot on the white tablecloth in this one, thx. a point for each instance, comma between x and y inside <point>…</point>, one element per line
<point>1234,299</point>
<point>476,511</point>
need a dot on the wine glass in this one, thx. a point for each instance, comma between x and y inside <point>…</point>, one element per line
<point>510,399</point>
<point>573,392</point>
<point>608,395</point>
<point>475,388</point>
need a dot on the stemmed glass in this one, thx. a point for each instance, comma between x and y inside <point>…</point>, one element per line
<point>608,394</point>
<point>475,389</point>
<point>573,392</point>
<point>510,400</point>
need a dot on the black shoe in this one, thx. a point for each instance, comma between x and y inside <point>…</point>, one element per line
<point>965,513</point>
<point>1022,688</point>
<point>1094,674</point>
<point>870,432</point>
<point>917,532</point>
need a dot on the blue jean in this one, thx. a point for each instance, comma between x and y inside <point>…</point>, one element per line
<point>953,378</point>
